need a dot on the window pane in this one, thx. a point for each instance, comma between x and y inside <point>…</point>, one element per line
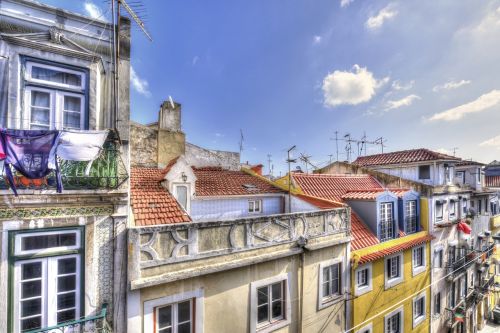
<point>31,323</point>
<point>72,103</point>
<point>31,307</point>
<point>40,99</point>
<point>56,76</point>
<point>277,309</point>
<point>66,283</point>
<point>71,120</point>
<point>31,270</point>
<point>65,301</point>
<point>47,241</point>
<point>165,316</point>
<point>40,116</point>
<point>66,266</point>
<point>181,195</point>
<point>65,316</point>
<point>184,328</point>
<point>262,295</point>
<point>31,289</point>
<point>276,291</point>
<point>184,311</point>
<point>262,313</point>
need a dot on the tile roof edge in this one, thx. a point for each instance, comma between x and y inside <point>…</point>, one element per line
<point>270,182</point>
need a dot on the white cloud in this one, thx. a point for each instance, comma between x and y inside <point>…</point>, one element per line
<point>219,135</point>
<point>93,10</point>
<point>350,87</point>
<point>345,3</point>
<point>493,142</point>
<point>450,85</point>
<point>406,101</point>
<point>140,85</point>
<point>317,39</point>
<point>482,103</point>
<point>489,23</point>
<point>386,13</point>
<point>398,85</point>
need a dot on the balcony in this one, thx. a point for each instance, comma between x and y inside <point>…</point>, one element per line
<point>165,253</point>
<point>487,283</point>
<point>107,172</point>
<point>95,324</point>
<point>461,265</point>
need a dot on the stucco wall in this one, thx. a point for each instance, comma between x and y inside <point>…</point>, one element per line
<point>228,209</point>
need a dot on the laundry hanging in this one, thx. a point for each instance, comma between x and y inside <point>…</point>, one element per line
<point>29,152</point>
<point>78,146</point>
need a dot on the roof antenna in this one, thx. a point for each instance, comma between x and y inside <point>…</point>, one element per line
<point>241,141</point>
<point>171,102</point>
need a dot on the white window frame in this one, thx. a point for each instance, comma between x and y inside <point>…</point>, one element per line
<point>325,301</point>
<point>452,214</point>
<point>49,289</point>
<point>439,218</point>
<point>29,78</point>
<point>438,253</point>
<point>174,314</point>
<point>20,236</point>
<point>399,310</point>
<point>368,328</point>
<point>188,195</point>
<point>196,296</point>
<point>438,296</point>
<point>360,290</point>
<point>285,277</point>
<point>418,269</point>
<point>418,320</point>
<point>391,282</point>
<point>254,210</point>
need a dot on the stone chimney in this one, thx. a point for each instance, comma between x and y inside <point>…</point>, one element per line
<point>171,139</point>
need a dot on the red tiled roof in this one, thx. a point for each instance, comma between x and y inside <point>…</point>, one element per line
<point>404,156</point>
<point>320,203</point>
<point>216,181</point>
<point>151,203</point>
<point>333,187</point>
<point>492,181</point>
<point>371,194</point>
<point>394,249</point>
<point>361,235</point>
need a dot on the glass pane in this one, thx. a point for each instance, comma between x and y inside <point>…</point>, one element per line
<point>66,283</point>
<point>165,316</point>
<point>31,270</point>
<point>277,309</point>
<point>71,119</point>
<point>72,103</point>
<point>31,289</point>
<point>31,307</point>
<point>184,328</point>
<point>165,330</point>
<point>65,316</point>
<point>65,301</point>
<point>262,295</point>
<point>326,288</point>
<point>56,76</point>
<point>66,266</point>
<point>184,311</point>
<point>326,274</point>
<point>46,241</point>
<point>276,291</point>
<point>40,99</point>
<point>262,313</point>
<point>40,116</point>
<point>31,323</point>
<point>181,195</point>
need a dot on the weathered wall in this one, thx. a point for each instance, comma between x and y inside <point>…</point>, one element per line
<point>170,145</point>
<point>201,157</point>
<point>143,143</point>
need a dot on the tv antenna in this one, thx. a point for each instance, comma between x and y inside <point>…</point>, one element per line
<point>306,159</point>
<point>269,161</point>
<point>241,141</point>
<point>290,161</point>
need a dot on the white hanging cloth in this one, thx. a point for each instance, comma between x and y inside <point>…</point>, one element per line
<point>79,146</point>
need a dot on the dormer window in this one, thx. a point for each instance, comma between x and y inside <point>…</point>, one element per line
<point>386,221</point>
<point>182,196</point>
<point>424,172</point>
<point>411,216</point>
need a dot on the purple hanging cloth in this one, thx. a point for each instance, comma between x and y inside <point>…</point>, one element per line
<point>28,151</point>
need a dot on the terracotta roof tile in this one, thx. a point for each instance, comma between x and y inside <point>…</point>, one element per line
<point>403,156</point>
<point>361,235</point>
<point>151,203</point>
<point>492,181</point>
<point>371,194</point>
<point>216,181</point>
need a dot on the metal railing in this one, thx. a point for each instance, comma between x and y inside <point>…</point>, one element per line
<point>108,171</point>
<point>94,324</point>
<point>461,264</point>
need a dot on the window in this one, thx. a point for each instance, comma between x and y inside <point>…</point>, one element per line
<point>393,322</point>
<point>255,206</point>
<point>175,314</point>
<point>46,289</point>
<point>181,193</point>
<point>54,97</point>
<point>437,303</point>
<point>460,175</point>
<point>386,222</point>
<point>478,175</point>
<point>367,329</point>
<point>438,257</point>
<point>464,206</point>
<point>411,216</point>
<point>418,309</point>
<point>175,318</point>
<point>418,260</point>
<point>452,209</point>
<point>424,172</point>
<point>330,282</point>
<point>270,308</point>
<point>439,210</point>
<point>393,270</point>
<point>363,279</point>
<point>479,206</point>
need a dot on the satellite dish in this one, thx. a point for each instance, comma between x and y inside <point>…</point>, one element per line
<point>171,102</point>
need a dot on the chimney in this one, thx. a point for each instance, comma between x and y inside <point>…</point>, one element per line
<point>257,169</point>
<point>170,116</point>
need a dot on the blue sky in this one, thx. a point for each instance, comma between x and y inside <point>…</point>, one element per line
<point>419,73</point>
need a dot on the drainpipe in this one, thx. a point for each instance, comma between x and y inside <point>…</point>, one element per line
<point>302,242</point>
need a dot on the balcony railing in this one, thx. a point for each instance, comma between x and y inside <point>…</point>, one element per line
<point>95,324</point>
<point>108,171</point>
<point>461,264</point>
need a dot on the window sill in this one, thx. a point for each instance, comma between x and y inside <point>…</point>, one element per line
<point>273,326</point>
<point>358,291</point>
<point>417,321</point>
<point>329,301</point>
<point>393,282</point>
<point>418,270</point>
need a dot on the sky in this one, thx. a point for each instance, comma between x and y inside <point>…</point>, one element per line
<point>419,73</point>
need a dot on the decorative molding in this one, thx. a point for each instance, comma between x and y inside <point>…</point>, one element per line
<point>40,212</point>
